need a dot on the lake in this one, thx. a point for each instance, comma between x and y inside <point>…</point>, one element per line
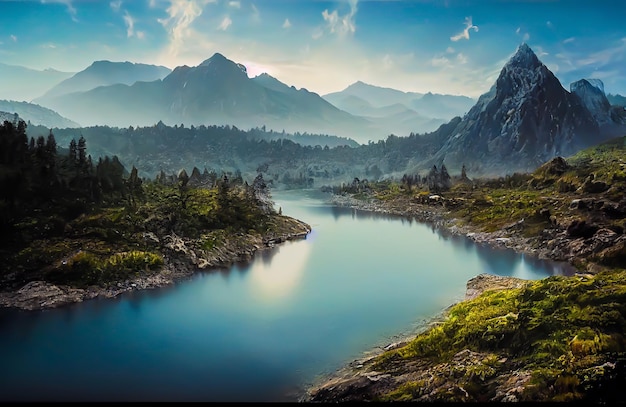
<point>255,332</point>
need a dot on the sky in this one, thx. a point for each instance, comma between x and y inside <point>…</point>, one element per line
<point>453,47</point>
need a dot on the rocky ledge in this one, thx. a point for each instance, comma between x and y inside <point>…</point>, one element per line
<point>182,258</point>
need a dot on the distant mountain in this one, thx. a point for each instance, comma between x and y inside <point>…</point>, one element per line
<point>376,96</point>
<point>526,119</point>
<point>442,106</point>
<point>24,84</point>
<point>216,92</point>
<point>10,117</point>
<point>400,113</point>
<point>104,73</point>
<point>37,115</point>
<point>611,119</point>
<point>617,100</point>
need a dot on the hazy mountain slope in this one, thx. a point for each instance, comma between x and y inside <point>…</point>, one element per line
<point>617,100</point>
<point>420,113</point>
<point>37,115</point>
<point>375,95</point>
<point>442,106</point>
<point>103,73</point>
<point>24,84</point>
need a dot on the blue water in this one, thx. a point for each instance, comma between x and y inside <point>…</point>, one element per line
<point>256,332</point>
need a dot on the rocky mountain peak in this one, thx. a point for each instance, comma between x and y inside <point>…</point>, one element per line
<point>591,93</point>
<point>525,119</point>
<point>524,57</point>
<point>219,62</point>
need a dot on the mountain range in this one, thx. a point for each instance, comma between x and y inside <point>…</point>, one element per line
<point>219,92</point>
<point>402,113</point>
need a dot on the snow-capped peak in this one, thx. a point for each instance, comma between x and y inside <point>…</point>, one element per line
<point>524,57</point>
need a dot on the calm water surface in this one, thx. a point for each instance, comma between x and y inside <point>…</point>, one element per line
<point>256,332</point>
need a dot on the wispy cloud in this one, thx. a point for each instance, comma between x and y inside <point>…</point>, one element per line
<point>286,24</point>
<point>226,22</point>
<point>236,4</point>
<point>440,62</point>
<point>568,40</point>
<point>525,36</point>
<point>68,3</point>
<point>337,24</point>
<point>116,5</point>
<point>130,24</point>
<point>181,15</point>
<point>607,55</point>
<point>465,33</point>
<point>13,38</point>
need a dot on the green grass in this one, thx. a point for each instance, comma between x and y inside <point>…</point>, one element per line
<point>561,328</point>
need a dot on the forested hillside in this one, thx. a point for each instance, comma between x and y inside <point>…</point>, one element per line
<point>66,219</point>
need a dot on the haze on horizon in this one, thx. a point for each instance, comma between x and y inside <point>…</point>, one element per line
<point>452,46</point>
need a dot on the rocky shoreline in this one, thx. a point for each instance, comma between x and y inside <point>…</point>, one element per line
<point>358,382</point>
<point>182,259</point>
<point>557,243</point>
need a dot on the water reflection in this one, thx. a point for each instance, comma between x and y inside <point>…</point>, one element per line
<point>276,277</point>
<point>507,262</point>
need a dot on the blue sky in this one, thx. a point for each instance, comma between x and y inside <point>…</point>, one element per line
<point>445,46</point>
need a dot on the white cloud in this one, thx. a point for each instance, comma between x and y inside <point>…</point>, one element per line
<point>116,5</point>
<point>236,4</point>
<point>465,33</point>
<point>130,24</point>
<point>226,22</point>
<point>440,62</point>
<point>450,50</point>
<point>525,36</point>
<point>461,59</point>
<point>13,38</point>
<point>286,24</point>
<point>568,40</point>
<point>181,15</point>
<point>340,25</point>
<point>606,56</point>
